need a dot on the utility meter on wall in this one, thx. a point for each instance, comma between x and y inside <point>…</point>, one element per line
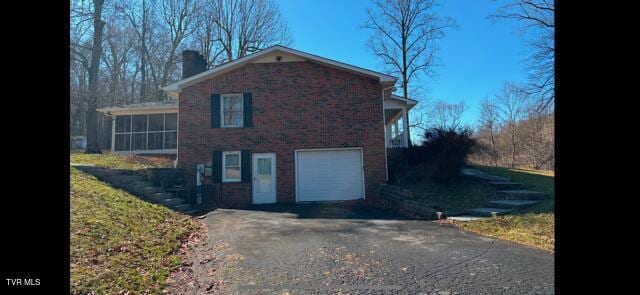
<point>199,177</point>
<point>200,168</point>
<point>199,174</point>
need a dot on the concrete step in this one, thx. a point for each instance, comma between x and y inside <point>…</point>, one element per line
<point>481,175</point>
<point>506,185</point>
<point>521,194</point>
<point>512,204</point>
<point>487,212</point>
<point>172,202</point>
<point>150,190</point>
<point>158,197</point>
<point>182,207</point>
<point>465,218</point>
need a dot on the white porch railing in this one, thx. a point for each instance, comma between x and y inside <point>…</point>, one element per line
<point>396,126</point>
<point>397,141</point>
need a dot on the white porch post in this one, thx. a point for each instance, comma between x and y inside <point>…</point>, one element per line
<point>386,135</point>
<point>395,123</point>
<point>113,133</point>
<point>405,127</point>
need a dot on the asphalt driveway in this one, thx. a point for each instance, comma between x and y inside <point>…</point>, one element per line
<point>353,248</point>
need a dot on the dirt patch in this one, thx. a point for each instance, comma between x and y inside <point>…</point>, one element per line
<point>207,267</point>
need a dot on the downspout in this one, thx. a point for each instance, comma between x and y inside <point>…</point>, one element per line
<point>175,162</point>
<point>384,129</point>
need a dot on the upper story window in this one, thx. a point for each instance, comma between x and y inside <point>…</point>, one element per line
<point>231,108</point>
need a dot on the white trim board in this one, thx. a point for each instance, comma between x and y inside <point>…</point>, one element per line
<point>155,152</point>
<point>138,111</point>
<point>405,99</point>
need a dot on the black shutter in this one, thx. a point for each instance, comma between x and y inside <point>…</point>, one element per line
<point>245,169</point>
<point>247,107</point>
<point>216,167</point>
<point>215,110</point>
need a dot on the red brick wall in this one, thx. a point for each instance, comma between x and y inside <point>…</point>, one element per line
<point>296,105</point>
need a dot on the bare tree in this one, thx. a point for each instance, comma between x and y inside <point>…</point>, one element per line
<point>178,17</point>
<point>512,103</point>
<point>246,26</point>
<point>446,116</point>
<point>208,34</point>
<point>404,37</point>
<point>88,55</point>
<point>116,57</point>
<point>142,41</point>
<point>537,19</point>
<point>537,137</point>
<point>141,18</point>
<point>489,121</point>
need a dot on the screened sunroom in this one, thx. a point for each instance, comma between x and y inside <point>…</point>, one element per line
<point>145,128</point>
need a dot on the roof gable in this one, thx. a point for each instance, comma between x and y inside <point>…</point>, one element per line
<point>267,55</point>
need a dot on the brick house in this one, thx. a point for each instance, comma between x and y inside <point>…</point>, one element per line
<point>279,125</point>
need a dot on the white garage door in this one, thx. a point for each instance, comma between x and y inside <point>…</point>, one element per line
<point>329,175</point>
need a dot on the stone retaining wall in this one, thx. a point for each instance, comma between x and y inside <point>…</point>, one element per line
<point>400,200</point>
<point>165,177</point>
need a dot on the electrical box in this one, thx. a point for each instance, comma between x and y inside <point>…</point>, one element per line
<point>208,172</point>
<point>200,168</point>
<point>199,176</point>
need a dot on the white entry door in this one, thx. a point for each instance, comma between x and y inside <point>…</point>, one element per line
<point>264,178</point>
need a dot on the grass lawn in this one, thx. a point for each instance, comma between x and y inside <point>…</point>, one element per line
<point>120,243</point>
<point>120,161</point>
<point>533,226</point>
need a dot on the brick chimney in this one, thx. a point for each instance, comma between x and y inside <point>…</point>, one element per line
<point>192,63</point>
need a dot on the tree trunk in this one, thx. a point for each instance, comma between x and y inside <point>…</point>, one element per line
<point>143,78</point>
<point>93,146</point>
<point>535,160</point>
<point>405,83</point>
<point>494,155</point>
<point>513,147</point>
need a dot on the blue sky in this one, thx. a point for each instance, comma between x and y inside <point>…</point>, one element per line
<point>476,56</point>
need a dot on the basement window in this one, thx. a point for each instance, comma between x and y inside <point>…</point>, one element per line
<point>231,166</point>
